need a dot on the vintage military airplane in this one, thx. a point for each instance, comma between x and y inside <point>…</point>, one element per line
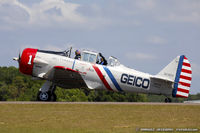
<point>59,69</point>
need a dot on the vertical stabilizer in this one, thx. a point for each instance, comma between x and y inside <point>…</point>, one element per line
<point>179,71</point>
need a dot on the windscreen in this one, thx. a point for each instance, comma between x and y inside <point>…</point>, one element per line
<point>112,61</point>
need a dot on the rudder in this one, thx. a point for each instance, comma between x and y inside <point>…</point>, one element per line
<point>183,78</point>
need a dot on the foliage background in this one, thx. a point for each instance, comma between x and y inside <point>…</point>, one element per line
<point>15,86</point>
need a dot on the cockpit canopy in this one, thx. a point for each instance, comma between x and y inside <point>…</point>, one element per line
<point>93,57</point>
<point>89,56</point>
<point>86,55</point>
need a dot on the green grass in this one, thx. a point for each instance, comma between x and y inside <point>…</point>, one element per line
<point>100,118</point>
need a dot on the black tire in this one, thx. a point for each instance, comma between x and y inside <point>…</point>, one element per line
<point>43,96</point>
<point>168,100</point>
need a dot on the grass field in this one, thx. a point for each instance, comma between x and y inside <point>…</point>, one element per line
<point>98,118</point>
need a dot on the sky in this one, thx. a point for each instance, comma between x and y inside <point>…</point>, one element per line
<point>143,34</point>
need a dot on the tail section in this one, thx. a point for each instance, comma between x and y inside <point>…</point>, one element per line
<point>179,71</point>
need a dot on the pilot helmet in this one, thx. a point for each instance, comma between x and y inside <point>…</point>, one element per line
<point>77,52</point>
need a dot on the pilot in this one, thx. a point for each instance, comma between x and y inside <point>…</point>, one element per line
<point>103,61</point>
<point>77,54</point>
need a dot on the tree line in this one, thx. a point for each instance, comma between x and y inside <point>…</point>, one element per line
<point>15,86</point>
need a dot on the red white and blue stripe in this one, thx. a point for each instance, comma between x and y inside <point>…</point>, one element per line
<point>183,78</point>
<point>99,73</point>
<point>112,78</point>
<point>105,81</point>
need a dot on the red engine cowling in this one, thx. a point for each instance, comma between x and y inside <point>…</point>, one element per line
<point>26,61</point>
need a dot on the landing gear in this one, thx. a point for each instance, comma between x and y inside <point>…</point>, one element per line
<point>168,100</point>
<point>47,92</point>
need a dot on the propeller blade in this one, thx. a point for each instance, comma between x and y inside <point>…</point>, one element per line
<point>19,57</point>
<point>15,59</point>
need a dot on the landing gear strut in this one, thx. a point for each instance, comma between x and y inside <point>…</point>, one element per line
<point>168,100</point>
<point>47,92</point>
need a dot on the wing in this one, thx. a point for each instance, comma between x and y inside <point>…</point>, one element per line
<point>65,77</point>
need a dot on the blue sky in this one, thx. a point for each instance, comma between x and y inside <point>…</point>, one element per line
<point>143,34</point>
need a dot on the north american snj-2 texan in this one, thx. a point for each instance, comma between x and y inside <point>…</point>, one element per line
<point>59,69</point>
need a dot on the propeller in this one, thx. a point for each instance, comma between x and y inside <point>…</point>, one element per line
<point>17,59</point>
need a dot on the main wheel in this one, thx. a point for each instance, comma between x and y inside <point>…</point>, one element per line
<point>43,96</point>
